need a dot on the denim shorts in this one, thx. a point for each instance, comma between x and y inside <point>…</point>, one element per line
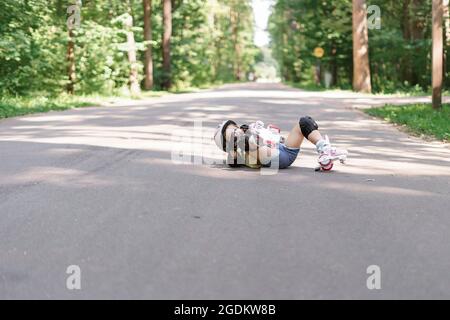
<point>287,156</point>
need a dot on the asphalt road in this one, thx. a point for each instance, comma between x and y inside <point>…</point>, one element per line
<point>107,189</point>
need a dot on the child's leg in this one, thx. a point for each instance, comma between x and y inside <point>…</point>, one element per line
<point>308,128</point>
<point>295,137</point>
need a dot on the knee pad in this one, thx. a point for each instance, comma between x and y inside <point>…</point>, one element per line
<point>307,125</point>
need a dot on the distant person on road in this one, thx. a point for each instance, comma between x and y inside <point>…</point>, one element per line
<point>256,146</point>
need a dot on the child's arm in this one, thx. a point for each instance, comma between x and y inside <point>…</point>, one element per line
<point>266,154</point>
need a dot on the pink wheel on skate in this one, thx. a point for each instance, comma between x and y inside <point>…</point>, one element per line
<point>328,167</point>
<point>325,164</point>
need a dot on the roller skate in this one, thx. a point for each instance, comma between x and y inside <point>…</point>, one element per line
<point>328,155</point>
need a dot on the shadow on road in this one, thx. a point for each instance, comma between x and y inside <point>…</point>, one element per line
<point>97,187</point>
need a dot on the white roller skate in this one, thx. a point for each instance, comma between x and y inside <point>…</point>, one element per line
<point>328,155</point>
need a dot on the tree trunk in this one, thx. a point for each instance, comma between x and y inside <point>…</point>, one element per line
<point>131,45</point>
<point>446,37</point>
<point>334,65</point>
<point>167,22</point>
<point>71,72</point>
<point>438,53</point>
<point>361,67</point>
<point>417,34</point>
<point>285,63</point>
<point>234,18</point>
<point>413,31</point>
<point>406,25</point>
<point>447,21</point>
<point>148,68</point>
<point>405,63</point>
<point>418,26</point>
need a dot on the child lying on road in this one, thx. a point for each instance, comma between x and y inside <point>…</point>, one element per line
<point>255,146</point>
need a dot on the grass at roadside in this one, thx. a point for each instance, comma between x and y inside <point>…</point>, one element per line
<point>400,92</point>
<point>311,86</point>
<point>19,106</point>
<point>420,119</point>
<point>14,106</point>
<point>308,86</point>
<point>23,105</point>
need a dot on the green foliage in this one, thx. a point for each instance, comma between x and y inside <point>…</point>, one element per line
<point>399,52</point>
<point>102,64</point>
<point>419,118</point>
<point>34,39</point>
<point>406,31</point>
<point>19,20</point>
<point>266,66</point>
<point>298,27</point>
<point>232,51</point>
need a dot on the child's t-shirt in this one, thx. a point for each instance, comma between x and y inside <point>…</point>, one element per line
<point>257,136</point>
